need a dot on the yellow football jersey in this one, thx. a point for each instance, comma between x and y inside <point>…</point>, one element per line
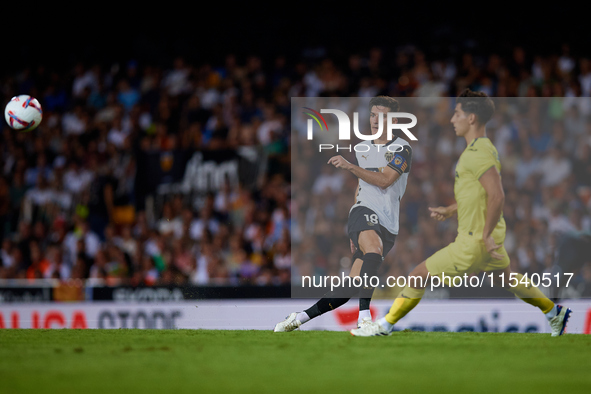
<point>478,157</point>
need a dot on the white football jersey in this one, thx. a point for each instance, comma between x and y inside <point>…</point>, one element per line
<point>396,154</point>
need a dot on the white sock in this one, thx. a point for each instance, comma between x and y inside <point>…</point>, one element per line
<point>364,314</point>
<point>302,317</point>
<point>553,312</point>
<point>384,323</point>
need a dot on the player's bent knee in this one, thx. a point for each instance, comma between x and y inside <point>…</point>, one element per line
<point>370,242</point>
<point>420,271</point>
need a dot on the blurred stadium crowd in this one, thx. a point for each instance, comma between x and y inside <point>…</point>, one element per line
<point>73,199</point>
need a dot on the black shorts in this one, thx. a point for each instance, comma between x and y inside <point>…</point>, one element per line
<point>363,218</point>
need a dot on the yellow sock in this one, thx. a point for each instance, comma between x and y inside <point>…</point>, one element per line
<point>406,301</point>
<point>530,294</point>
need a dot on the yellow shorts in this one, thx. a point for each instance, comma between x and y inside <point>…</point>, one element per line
<point>466,255</point>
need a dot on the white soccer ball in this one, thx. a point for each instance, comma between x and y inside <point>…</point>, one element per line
<point>23,113</point>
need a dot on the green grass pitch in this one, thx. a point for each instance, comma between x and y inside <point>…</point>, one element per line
<point>212,361</point>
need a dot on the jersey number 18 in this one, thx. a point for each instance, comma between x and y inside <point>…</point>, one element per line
<point>373,218</point>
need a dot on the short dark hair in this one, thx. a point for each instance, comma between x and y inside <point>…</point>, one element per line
<point>477,103</point>
<point>384,101</point>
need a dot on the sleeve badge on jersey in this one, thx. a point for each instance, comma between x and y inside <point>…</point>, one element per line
<point>400,163</point>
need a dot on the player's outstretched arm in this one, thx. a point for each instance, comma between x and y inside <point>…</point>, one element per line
<point>443,213</point>
<point>380,179</point>
<point>491,182</point>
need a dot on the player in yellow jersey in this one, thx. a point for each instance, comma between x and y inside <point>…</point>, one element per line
<point>481,228</point>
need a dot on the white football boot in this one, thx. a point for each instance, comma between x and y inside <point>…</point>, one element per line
<point>364,322</point>
<point>370,329</point>
<point>558,322</point>
<point>289,324</point>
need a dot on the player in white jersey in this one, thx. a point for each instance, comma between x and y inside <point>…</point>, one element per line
<point>385,202</point>
<point>382,168</point>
